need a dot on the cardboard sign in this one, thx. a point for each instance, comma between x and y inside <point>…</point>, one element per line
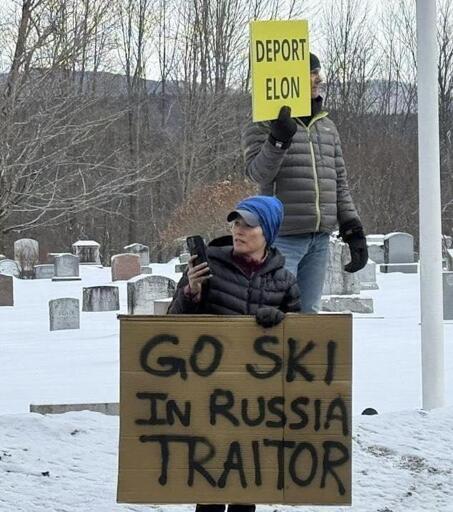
<point>216,409</point>
<point>280,64</point>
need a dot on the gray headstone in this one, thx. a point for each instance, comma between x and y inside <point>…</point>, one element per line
<point>45,271</point>
<point>87,251</point>
<point>125,266</point>
<point>375,239</point>
<point>64,314</point>
<point>9,268</point>
<point>141,250</point>
<point>398,248</point>
<point>447,278</point>
<point>101,298</point>
<point>405,268</point>
<point>180,267</point>
<point>184,257</point>
<point>367,276</point>
<point>6,290</point>
<point>52,255</point>
<point>142,291</point>
<point>376,252</point>
<point>161,306</point>
<point>26,253</point>
<point>338,281</point>
<point>108,408</point>
<point>345,304</point>
<point>66,267</point>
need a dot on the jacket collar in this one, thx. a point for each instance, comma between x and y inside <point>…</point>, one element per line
<point>222,249</point>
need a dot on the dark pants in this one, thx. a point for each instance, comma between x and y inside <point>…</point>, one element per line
<point>221,508</point>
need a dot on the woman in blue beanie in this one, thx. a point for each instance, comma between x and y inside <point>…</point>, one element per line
<point>245,274</point>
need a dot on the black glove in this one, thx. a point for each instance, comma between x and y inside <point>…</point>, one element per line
<point>352,233</point>
<point>269,316</point>
<point>283,128</point>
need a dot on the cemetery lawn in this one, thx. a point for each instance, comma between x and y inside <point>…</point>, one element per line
<point>402,458</point>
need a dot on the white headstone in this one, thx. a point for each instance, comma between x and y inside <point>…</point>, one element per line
<point>64,314</point>
<point>141,250</point>
<point>9,268</point>
<point>142,291</point>
<point>26,253</point>
<point>66,267</point>
<point>101,298</point>
<point>399,248</point>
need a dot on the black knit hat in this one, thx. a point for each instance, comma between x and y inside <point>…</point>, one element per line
<point>314,62</point>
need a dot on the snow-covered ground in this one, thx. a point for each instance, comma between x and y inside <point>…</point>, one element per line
<point>402,459</point>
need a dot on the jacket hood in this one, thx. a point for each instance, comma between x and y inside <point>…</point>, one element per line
<point>221,248</point>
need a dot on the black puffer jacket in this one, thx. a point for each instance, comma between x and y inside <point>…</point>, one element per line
<point>230,292</point>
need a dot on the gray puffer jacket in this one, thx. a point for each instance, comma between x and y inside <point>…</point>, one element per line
<point>309,177</point>
<point>231,292</point>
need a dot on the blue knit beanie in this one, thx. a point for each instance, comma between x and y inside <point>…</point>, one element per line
<point>267,211</point>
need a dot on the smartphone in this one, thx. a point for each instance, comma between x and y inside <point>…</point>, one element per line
<point>197,246</point>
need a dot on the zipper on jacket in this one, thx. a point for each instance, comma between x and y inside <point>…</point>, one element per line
<point>315,172</point>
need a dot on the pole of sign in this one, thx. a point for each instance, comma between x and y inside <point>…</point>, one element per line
<point>431,299</point>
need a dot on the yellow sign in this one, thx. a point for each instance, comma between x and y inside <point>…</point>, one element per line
<point>280,60</point>
<point>215,409</point>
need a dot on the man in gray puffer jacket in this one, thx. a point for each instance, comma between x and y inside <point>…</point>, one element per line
<point>300,161</point>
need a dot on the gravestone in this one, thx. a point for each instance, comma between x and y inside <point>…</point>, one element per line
<point>181,267</point>
<point>87,251</point>
<point>338,281</point>
<point>184,257</point>
<point>340,287</point>
<point>405,268</point>
<point>367,276</point>
<point>6,290</point>
<point>161,306</point>
<point>141,250</point>
<point>142,291</point>
<point>375,244</point>
<point>125,266</point>
<point>45,271</point>
<point>9,268</point>
<point>64,314</point>
<point>52,255</point>
<point>66,268</point>
<point>26,253</point>
<point>399,254</point>
<point>101,298</point>
<point>447,278</point>
<point>398,248</point>
<point>345,304</point>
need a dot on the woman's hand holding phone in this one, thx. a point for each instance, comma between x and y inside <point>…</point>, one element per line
<point>197,275</point>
